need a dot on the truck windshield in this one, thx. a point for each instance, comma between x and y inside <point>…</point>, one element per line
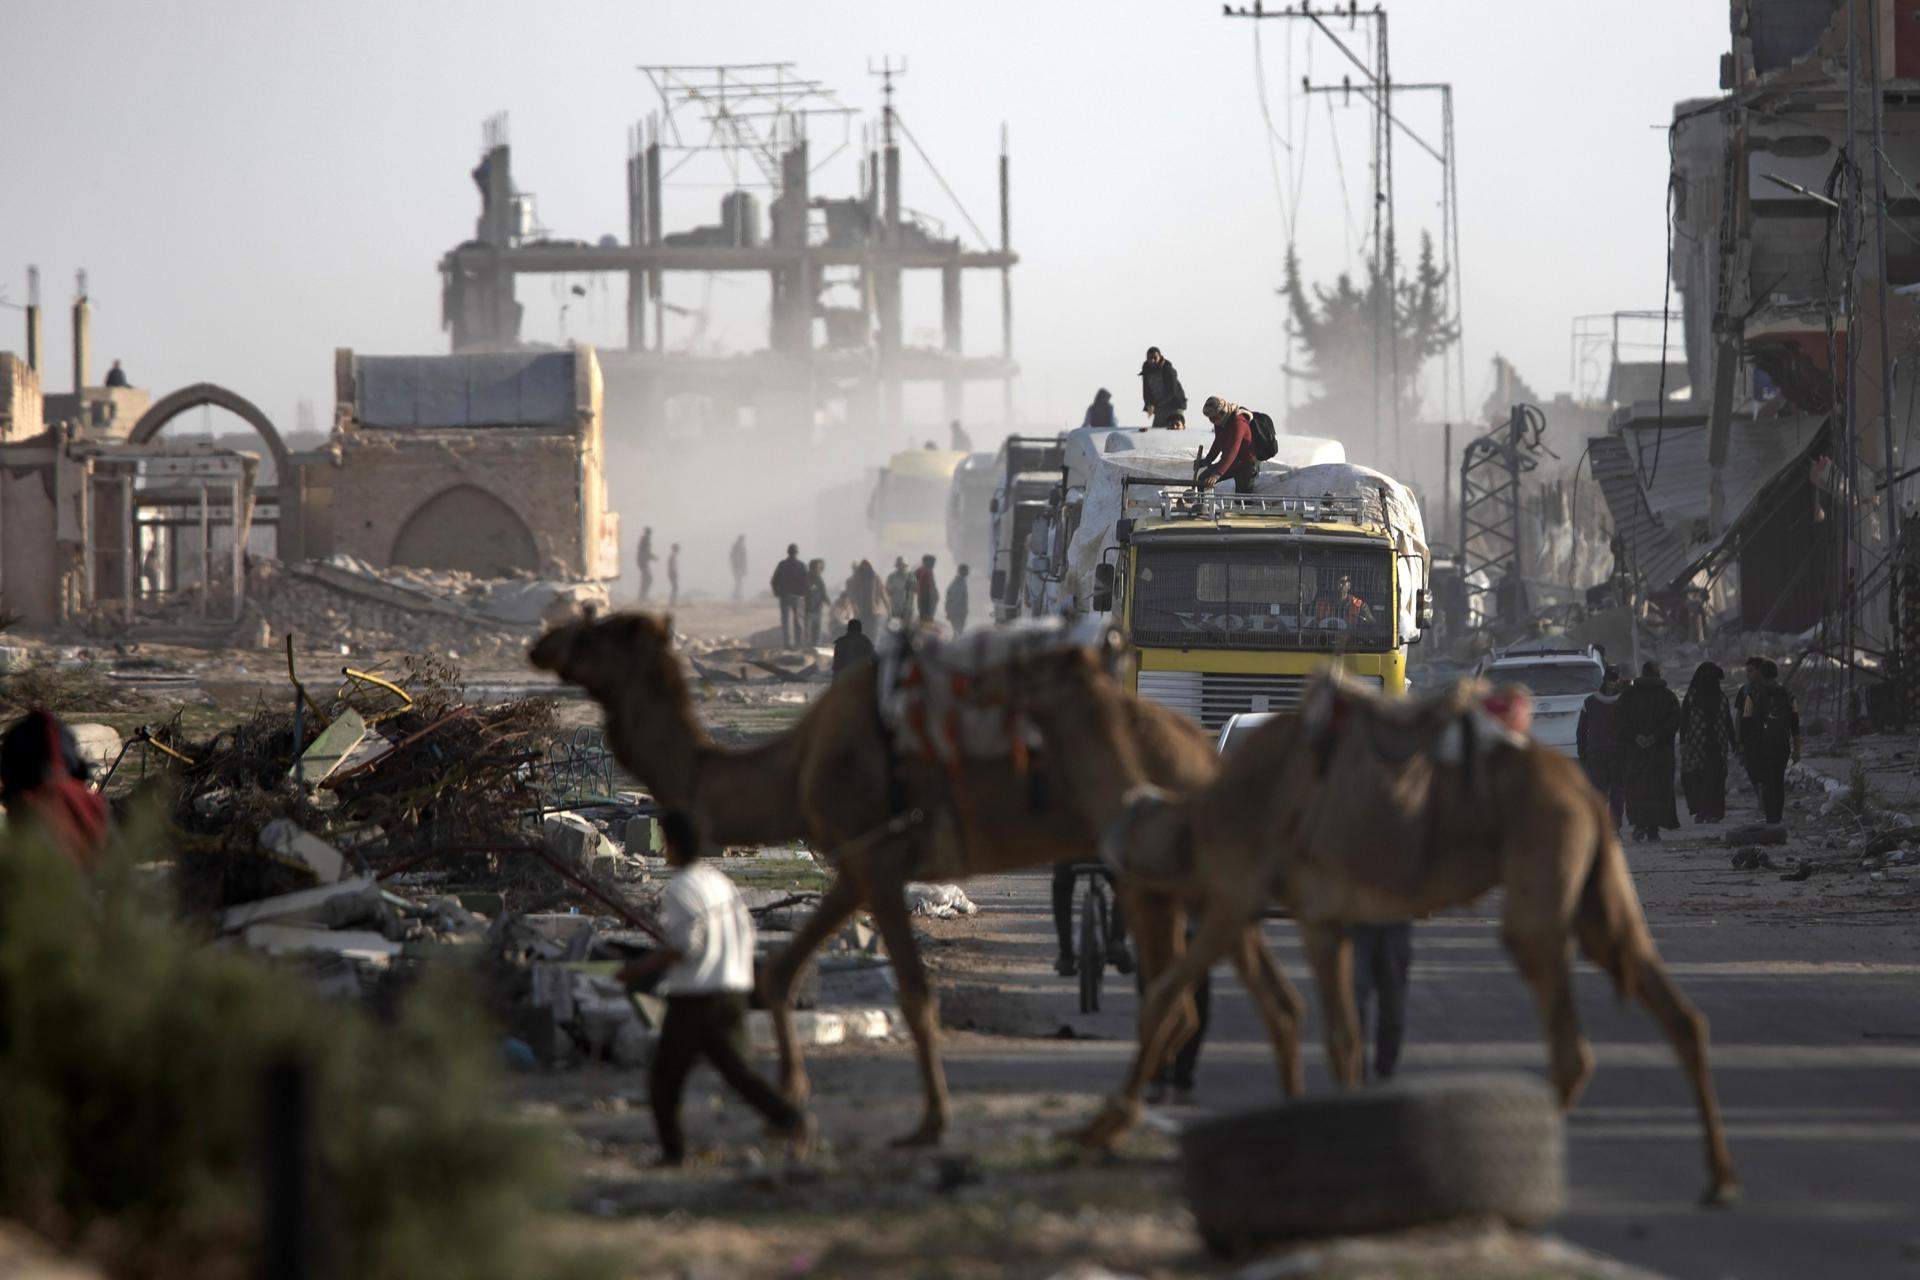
<point>1264,595</point>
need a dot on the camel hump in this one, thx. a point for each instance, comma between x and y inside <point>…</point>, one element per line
<point>925,683</point>
<point>1465,715</point>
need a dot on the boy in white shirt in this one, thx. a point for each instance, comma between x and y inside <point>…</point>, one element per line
<point>707,957</point>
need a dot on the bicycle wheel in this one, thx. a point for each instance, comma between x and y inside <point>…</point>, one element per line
<point>1093,948</point>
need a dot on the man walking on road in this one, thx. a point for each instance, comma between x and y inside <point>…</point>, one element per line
<point>790,588</point>
<point>1161,394</point>
<point>957,600</point>
<point>673,575</point>
<point>926,592</point>
<point>1596,740</point>
<point>1382,960</point>
<point>818,599</point>
<point>737,561</point>
<point>867,597</point>
<point>1770,738</point>
<point>646,563</point>
<point>706,961</point>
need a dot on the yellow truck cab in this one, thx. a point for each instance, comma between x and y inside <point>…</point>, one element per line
<point>1231,602</point>
<point>907,515</point>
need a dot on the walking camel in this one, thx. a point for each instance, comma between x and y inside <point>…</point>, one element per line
<point>835,780</point>
<point>1362,810</point>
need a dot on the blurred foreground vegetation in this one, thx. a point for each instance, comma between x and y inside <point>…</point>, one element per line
<point>133,1057</point>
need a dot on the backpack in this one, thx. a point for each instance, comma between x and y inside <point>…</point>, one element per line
<point>1773,715</point>
<point>1266,442</point>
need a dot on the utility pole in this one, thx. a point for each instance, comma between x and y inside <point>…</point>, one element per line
<point>1386,337</point>
<point>1894,550</point>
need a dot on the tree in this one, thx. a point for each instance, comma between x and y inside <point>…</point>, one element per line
<point>1335,328</point>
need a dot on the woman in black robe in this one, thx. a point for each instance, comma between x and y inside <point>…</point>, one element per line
<point>1706,740</point>
<point>1648,716</point>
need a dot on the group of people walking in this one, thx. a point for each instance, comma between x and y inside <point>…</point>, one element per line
<point>1632,734</point>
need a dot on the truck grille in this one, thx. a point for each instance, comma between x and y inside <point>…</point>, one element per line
<point>1211,696</point>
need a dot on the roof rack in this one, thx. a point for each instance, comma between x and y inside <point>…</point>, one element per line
<point>1327,509</point>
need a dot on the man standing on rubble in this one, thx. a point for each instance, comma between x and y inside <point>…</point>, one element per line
<point>706,962</point>
<point>737,560</point>
<point>926,592</point>
<point>1231,457</point>
<point>957,600</point>
<point>790,588</point>
<point>647,558</point>
<point>1161,394</point>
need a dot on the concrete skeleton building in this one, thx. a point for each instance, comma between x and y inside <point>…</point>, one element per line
<point>836,267</point>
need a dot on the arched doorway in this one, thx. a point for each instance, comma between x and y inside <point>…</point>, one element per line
<point>469,529</point>
<point>286,487</point>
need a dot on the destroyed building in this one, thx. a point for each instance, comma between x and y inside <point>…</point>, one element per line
<point>99,520</point>
<point>1776,262</point>
<point>837,346</point>
<point>486,463</point>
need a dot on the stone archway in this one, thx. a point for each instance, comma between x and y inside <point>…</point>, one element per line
<point>286,482</point>
<point>466,528</point>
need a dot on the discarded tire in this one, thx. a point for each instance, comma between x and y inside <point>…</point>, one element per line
<point>1400,1156</point>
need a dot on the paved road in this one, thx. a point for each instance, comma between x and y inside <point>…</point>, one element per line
<point>1816,1029</point>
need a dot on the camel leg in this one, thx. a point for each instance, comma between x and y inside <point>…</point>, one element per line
<point>917,1003</point>
<point>1221,924</point>
<point>841,900</point>
<point>1158,924</point>
<point>1541,957</point>
<point>1279,1005</point>
<point>1330,953</point>
<point>1686,1029</point>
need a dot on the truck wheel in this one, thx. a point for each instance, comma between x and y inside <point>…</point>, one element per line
<point>1391,1157</point>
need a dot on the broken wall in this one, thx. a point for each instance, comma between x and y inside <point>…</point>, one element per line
<point>21,408</point>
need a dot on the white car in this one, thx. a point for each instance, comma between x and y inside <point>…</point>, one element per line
<point>1239,727</point>
<point>1559,675</point>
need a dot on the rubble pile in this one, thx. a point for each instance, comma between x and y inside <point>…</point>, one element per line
<point>419,610</point>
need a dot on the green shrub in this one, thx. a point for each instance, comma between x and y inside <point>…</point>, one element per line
<point>132,1058</point>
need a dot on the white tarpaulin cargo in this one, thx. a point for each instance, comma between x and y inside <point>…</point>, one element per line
<point>1100,460</point>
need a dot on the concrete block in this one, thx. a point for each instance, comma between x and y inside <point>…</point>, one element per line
<point>294,939</point>
<point>823,1027</point>
<point>99,744</point>
<point>284,837</point>
<point>575,840</point>
<point>639,835</point>
<point>350,902</point>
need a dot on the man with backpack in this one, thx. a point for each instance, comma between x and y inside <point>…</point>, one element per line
<point>1238,445</point>
<point>1769,737</point>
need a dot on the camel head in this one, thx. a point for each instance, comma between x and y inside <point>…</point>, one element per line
<point>607,656</point>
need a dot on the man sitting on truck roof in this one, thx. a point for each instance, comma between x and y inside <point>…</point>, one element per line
<point>1231,457</point>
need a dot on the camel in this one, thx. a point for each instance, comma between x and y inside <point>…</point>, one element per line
<point>881,819</point>
<point>1352,812</point>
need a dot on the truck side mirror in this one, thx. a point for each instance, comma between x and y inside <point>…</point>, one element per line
<point>1422,610</point>
<point>1103,587</point>
<point>998,588</point>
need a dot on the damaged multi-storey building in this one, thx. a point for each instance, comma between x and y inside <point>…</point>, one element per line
<point>1767,487</point>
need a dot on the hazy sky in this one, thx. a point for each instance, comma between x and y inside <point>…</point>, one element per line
<point>252,185</point>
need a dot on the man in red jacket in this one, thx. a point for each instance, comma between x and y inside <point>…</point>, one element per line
<point>1232,457</point>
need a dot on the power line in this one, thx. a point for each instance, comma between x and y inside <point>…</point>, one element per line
<point>928,161</point>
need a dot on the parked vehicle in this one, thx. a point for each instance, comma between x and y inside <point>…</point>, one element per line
<point>1559,674</point>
